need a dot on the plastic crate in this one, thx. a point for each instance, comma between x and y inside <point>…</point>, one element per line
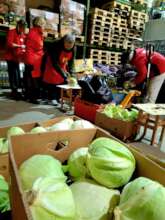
<point>85,110</point>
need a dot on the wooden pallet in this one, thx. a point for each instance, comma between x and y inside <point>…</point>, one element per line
<point>101,34</point>
<point>101,12</point>
<point>119,31</point>
<point>100,28</point>
<point>138,15</point>
<point>79,39</point>
<point>99,43</point>
<point>138,1</point>
<point>115,4</point>
<point>101,18</point>
<point>101,23</point>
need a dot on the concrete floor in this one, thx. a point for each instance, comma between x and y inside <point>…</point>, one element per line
<point>18,112</point>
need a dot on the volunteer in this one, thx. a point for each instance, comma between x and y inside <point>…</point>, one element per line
<point>58,66</point>
<point>139,58</point>
<point>15,54</point>
<point>34,54</point>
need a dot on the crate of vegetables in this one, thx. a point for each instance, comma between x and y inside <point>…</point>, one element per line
<point>94,177</point>
<point>5,132</point>
<point>118,121</point>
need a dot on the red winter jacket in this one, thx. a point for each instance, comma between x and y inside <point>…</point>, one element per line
<point>34,50</point>
<point>141,63</point>
<point>15,53</point>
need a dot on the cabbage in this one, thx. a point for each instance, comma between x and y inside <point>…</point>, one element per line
<point>117,112</point>
<point>15,131</point>
<point>80,124</point>
<point>94,202</point>
<point>65,124</point>
<point>72,81</point>
<point>38,130</point>
<point>141,199</point>
<point>51,199</point>
<point>77,163</point>
<point>4,145</point>
<point>109,162</point>
<point>4,195</point>
<point>40,166</point>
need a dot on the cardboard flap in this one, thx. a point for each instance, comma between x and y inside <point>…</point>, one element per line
<point>42,143</point>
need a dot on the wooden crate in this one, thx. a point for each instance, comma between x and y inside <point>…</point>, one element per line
<point>101,12</point>
<point>79,39</point>
<point>115,4</point>
<point>138,15</point>
<point>137,24</point>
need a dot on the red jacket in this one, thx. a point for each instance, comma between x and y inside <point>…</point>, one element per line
<point>52,75</point>
<point>34,50</point>
<point>15,53</point>
<point>141,63</point>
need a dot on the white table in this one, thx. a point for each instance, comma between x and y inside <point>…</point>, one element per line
<point>69,90</point>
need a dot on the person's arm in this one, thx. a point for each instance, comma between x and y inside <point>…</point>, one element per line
<point>54,53</point>
<point>71,63</point>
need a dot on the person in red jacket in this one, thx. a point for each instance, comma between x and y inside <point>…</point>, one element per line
<point>15,54</point>
<point>139,59</point>
<point>58,66</point>
<point>34,54</point>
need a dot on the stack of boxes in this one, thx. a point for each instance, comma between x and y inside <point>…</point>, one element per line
<point>52,21</point>
<point>71,17</point>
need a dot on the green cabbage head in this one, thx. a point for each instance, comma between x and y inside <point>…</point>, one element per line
<point>38,130</point>
<point>40,166</point>
<point>4,145</point>
<point>94,202</point>
<point>110,163</point>
<point>50,199</point>
<point>15,131</point>
<point>77,163</point>
<point>4,195</point>
<point>141,199</point>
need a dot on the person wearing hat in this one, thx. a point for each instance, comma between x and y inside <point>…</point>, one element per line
<point>139,59</point>
<point>34,54</point>
<point>58,66</point>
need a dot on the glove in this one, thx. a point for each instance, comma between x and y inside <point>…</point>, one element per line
<point>23,46</point>
<point>128,85</point>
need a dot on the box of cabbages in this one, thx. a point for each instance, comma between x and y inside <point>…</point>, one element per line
<point>4,132</point>
<point>121,129</point>
<point>32,157</point>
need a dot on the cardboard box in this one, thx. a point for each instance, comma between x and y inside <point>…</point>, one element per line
<point>24,146</point>
<point>52,19</point>
<point>121,129</point>
<point>4,158</point>
<point>152,152</point>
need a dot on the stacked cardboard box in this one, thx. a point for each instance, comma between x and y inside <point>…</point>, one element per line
<point>52,20</point>
<point>71,17</point>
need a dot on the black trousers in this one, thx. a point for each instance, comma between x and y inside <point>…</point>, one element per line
<point>14,75</point>
<point>161,95</point>
<point>51,91</point>
<point>32,86</point>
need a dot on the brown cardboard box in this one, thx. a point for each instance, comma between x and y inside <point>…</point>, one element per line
<point>24,146</point>
<point>121,129</point>
<point>4,158</point>
<point>152,152</point>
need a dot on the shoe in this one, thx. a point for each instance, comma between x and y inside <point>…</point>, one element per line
<point>53,102</point>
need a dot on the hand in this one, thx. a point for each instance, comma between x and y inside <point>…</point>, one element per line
<point>128,84</point>
<point>23,46</point>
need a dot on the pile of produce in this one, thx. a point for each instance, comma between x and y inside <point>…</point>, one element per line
<point>90,188</point>
<point>4,195</point>
<point>65,124</point>
<point>117,112</point>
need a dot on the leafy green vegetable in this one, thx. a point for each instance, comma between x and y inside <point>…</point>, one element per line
<point>117,112</point>
<point>40,166</point>
<point>80,124</point>
<point>4,195</point>
<point>77,163</point>
<point>65,124</point>
<point>141,199</point>
<point>94,202</point>
<point>4,145</point>
<point>110,163</point>
<point>15,131</point>
<point>38,130</point>
<point>51,199</point>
